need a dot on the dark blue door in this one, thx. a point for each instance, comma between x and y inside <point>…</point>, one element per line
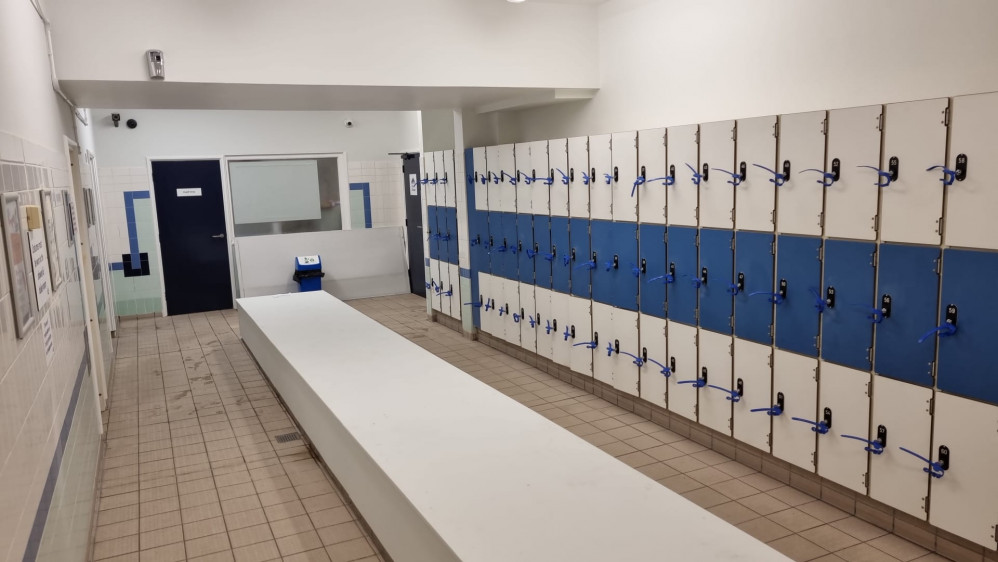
<point>798,275</point>
<point>653,269</point>
<point>908,282</point>
<point>525,248</point>
<point>847,322</point>
<point>452,244</point>
<point>192,236</point>
<point>509,257</point>
<point>754,270</point>
<point>716,265</point>
<point>626,272</point>
<point>601,235</point>
<point>415,231</point>
<point>543,259</point>
<point>684,268</point>
<point>561,266</point>
<point>580,255</point>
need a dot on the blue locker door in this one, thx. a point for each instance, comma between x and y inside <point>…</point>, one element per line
<point>510,267</point>
<point>525,242</point>
<point>625,275</point>
<point>432,231</point>
<point>561,270</point>
<point>717,261</point>
<point>478,233</point>
<point>798,266</point>
<point>966,364</point>
<point>452,243</point>
<point>542,243</point>
<point>754,270</point>
<point>653,263</point>
<point>846,324</point>
<point>580,254</point>
<point>908,282</point>
<point>603,245</point>
<point>683,266</point>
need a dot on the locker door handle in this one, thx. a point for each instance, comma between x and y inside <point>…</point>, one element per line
<point>697,176</point>
<point>566,334</point>
<point>501,248</point>
<point>668,279</point>
<point>876,314</point>
<point>446,294</point>
<point>533,323</point>
<point>733,289</point>
<point>778,178</point>
<point>547,329</point>
<point>424,181</point>
<point>665,370</point>
<point>666,180</point>
<point>639,181</point>
<point>564,177</point>
<point>736,179</point>
<point>772,410</point>
<point>875,446</point>
<point>531,253</point>
<point>484,179</point>
<point>527,180</point>
<point>588,344</point>
<point>935,469</point>
<point>820,427</point>
<point>475,241</point>
<point>443,180</point>
<point>697,383</point>
<point>635,270</point>
<point>512,179</point>
<point>474,304</point>
<point>546,181</point>
<point>609,178</point>
<point>495,179</point>
<point>827,178</point>
<point>949,176</point>
<point>566,260</point>
<point>591,264</point>
<point>585,178</point>
<point>501,311</point>
<point>883,178</point>
<point>637,360</point>
<point>428,285</point>
<point>549,257</point>
<point>733,395</point>
<point>695,281</point>
<point>943,331</point>
<point>820,304</point>
<point>516,318</point>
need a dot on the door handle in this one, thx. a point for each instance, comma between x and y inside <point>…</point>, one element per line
<point>222,235</point>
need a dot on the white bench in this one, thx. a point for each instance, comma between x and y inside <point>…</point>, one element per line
<point>443,467</point>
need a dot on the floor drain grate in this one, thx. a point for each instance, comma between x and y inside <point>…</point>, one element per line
<point>288,437</point>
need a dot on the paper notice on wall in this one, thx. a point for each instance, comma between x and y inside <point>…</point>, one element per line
<point>48,340</point>
<point>40,266</point>
<point>413,184</point>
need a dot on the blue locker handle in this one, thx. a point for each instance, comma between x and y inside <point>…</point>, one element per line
<point>635,270</point>
<point>428,285</point>
<point>512,179</point>
<point>819,303</point>
<point>444,237</point>
<point>934,469</point>
<point>495,179</point>
<point>733,288</point>
<point>590,264</point>
<point>564,176</point>
<point>772,410</point>
<point>778,178</point>
<point>516,318</point>
<point>736,179</point>
<point>949,176</point>
<point>474,304</point>
<point>876,315</point>
<point>668,279</point>
<point>666,181</point>
<point>696,175</point>
<point>588,344</point>
<point>665,370</point>
<point>547,329</point>
<point>434,181</point>
<point>443,180</point>
<point>484,179</point>
<point>820,427</point>
<point>874,447</point>
<point>639,181</point>
<point>608,265</point>
<point>566,260</point>
<point>566,334</point>
<point>531,253</point>
<point>545,181</point>
<point>585,178</point>
<point>775,298</point>
<point>501,311</point>
<point>549,257</point>
<point>943,331</point>
<point>734,396</point>
<point>882,176</point>
<point>694,280</point>
<point>473,242</point>
<point>609,349</point>
<point>424,181</point>
<point>697,383</point>
<point>609,178</point>
<point>434,285</point>
<point>501,248</point>
<point>487,305</point>
<point>827,178</point>
<point>637,360</point>
<point>448,293</point>
<point>533,323</point>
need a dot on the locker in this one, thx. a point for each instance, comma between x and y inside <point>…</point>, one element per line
<point>624,160</point>
<point>560,249</point>
<point>579,256</point>
<point>802,148</point>
<point>626,352</point>
<point>963,500</point>
<point>847,320</point>
<point>543,258</point>
<point>436,281</point>
<point>600,174</point>
<point>754,268</point>
<point>972,202</point>
<point>444,290</point>
<point>798,275</point>
<point>561,346</point>
<point>652,263</point>
<point>896,478</point>
<point>717,165</point>
<point>580,331</point>
<point>716,279</point>
<point>753,367</point>
<point>546,333</point>
<point>509,257</point>
<point>525,252</point>
<point>526,317</point>
<point>966,366</point>
<point>578,177</point>
<point>510,306</point>
<point>683,197</point>
<point>524,188</point>
<point>685,271</point>
<point>539,186</point>
<point>651,190</point>
<point>654,382</point>
<point>454,288</point>
<point>846,393</point>
<point>682,341</point>
<point>478,234</point>
<point>755,196</point>
<point>488,311</point>
<point>558,172</point>
<point>507,178</point>
<point>853,149</point>
<point>795,379</point>
<point>453,248</point>
<point>912,206</point>
<point>716,398</point>
<point>451,184</point>
<point>481,177</point>
<point>493,178</point>
<point>433,231</point>
<point>908,283</point>
<point>439,186</point>
<point>604,248</point>
<point>615,278</point>
<point>430,282</point>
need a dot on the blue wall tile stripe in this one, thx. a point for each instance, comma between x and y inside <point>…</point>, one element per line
<point>133,235</point>
<point>366,189</point>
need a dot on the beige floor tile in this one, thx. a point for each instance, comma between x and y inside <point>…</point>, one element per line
<point>822,511</point>
<point>797,548</point>
<point>791,496</point>
<point>301,542</point>
<point>865,553</point>
<point>161,537</point>
<point>349,551</point>
<point>116,547</point>
<point>208,545</point>
<point>764,529</point>
<point>117,530</point>
<point>317,555</point>
<point>204,528</point>
<point>733,512</point>
<point>168,553</point>
<point>794,519</point>
<point>858,528</point>
<point>829,538</point>
<point>680,483</point>
<point>898,547</point>
<point>339,533</point>
<point>259,552</point>
<point>706,497</point>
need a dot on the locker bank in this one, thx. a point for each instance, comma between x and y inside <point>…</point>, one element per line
<point>498,280</point>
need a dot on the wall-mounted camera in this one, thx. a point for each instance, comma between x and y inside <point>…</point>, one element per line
<point>157,70</point>
<point>115,118</point>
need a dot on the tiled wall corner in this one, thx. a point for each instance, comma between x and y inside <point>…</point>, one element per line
<point>387,200</point>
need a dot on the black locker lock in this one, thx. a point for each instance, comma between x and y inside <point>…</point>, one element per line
<point>551,174</point>
<point>885,306</point>
<point>672,364</point>
<point>706,169</point>
<point>743,170</point>
<point>478,239</point>
<point>536,248</point>
<point>616,346</point>
<point>594,257</point>
<point>616,174</point>
<point>944,457</point>
<point>492,241</point>
<point>644,354</point>
<point>533,173</point>
<point>571,174</point>
<point>830,297</point>
<point>573,331</point>
<point>951,314</point>
<point>703,275</point>
<point>703,374</point>
<point>592,177</point>
<point>741,282</point>
<point>786,169</point>
<point>616,261</point>
<point>828,418</point>
<point>554,251</point>
<point>836,169</point>
<point>961,167</point>
<point>476,177</point>
<point>893,166</point>
<point>740,387</point>
<point>672,171</point>
<point>521,314</point>
<point>672,269</point>
<point>436,178</point>
<point>781,402</point>
<point>783,288</point>
<point>554,324</point>
<point>643,172</point>
<point>644,265</point>
<point>573,254</point>
<point>519,175</point>
<point>596,338</point>
<point>882,435</point>
<point>519,245</point>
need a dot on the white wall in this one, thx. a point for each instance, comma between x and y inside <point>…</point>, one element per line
<point>672,62</point>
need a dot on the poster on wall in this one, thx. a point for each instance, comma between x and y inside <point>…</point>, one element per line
<point>40,266</point>
<point>413,184</point>
<point>48,340</point>
<point>17,264</point>
<point>48,214</point>
<point>67,206</point>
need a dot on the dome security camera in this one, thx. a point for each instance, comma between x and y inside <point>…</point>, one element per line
<point>348,123</point>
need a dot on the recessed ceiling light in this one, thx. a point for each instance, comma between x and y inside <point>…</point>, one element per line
<point>515,1</point>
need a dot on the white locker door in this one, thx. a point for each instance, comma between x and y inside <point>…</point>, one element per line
<point>794,376</point>
<point>753,366</point>
<point>846,393</point>
<point>561,345</point>
<point>654,383</point>
<point>717,195</point>
<point>454,286</point>
<point>545,333</point>
<point>600,189</point>
<point>973,200</point>
<point>507,186</point>
<point>755,196</point>
<point>481,177</point>
<point>915,134</point>
<point>451,181</point>
<point>538,168</point>
<point>603,362</point>
<point>964,499</point>
<point>511,303</point>
<point>581,322</point>
<point>651,163</point>
<point>494,178</point>
<point>524,190</point>
<point>526,313</point>
<point>715,403</point>
<point>682,155</point>
<point>445,283</point>
<point>683,357</point>
<point>491,302</point>
<point>578,169</point>
<point>425,202</point>
<point>558,172</point>
<point>896,478</point>
<point>625,172</point>
<point>801,197</point>
<point>625,333</point>
<point>851,201</point>
<point>439,169</point>
<point>435,284</point>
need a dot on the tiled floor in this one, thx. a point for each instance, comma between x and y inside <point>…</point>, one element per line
<point>193,469</point>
